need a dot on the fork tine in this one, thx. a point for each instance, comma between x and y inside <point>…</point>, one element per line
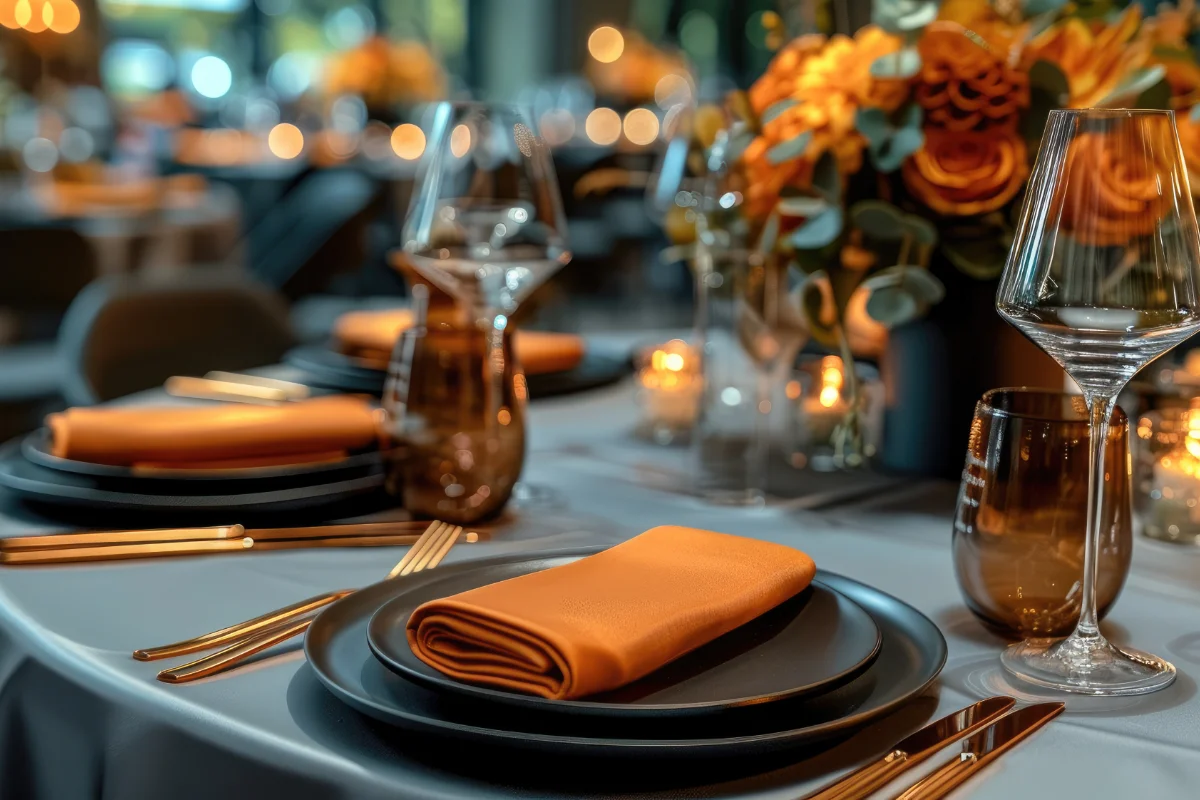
<point>440,554</point>
<point>418,549</point>
<point>435,545</point>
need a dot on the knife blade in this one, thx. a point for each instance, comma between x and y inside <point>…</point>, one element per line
<point>981,749</point>
<point>914,749</point>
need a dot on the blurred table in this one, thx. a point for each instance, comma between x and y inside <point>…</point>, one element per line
<point>80,718</point>
<point>197,225</point>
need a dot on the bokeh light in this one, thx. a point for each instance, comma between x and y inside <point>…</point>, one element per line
<point>8,14</point>
<point>40,154</point>
<point>211,77</point>
<point>603,126</point>
<point>641,126</point>
<point>408,141</point>
<point>557,126</point>
<point>77,145</point>
<point>606,44</point>
<point>699,35</point>
<point>672,90</point>
<point>62,16</point>
<point>460,141</point>
<point>285,140</point>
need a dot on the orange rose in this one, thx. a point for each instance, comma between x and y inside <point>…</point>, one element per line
<point>1189,137</point>
<point>1112,193</point>
<point>1095,58</point>
<point>964,83</point>
<point>829,80</point>
<point>967,173</point>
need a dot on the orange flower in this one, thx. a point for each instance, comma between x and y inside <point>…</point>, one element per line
<point>966,84</point>
<point>829,80</point>
<point>967,173</point>
<point>1189,137</point>
<point>1112,193</point>
<point>1095,58</point>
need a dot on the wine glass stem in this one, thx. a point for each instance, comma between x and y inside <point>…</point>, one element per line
<point>1101,409</point>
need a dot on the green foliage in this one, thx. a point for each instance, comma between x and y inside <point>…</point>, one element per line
<point>1048,90</point>
<point>789,150</point>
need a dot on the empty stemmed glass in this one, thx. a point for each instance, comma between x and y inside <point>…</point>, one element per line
<point>486,226</point>
<point>1104,275</point>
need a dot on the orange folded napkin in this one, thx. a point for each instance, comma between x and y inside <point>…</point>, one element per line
<point>371,335</point>
<point>216,436</point>
<point>607,620</point>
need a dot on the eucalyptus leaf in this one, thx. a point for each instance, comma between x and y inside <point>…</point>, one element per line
<point>872,123</point>
<point>812,304</point>
<point>912,116</point>
<point>1135,84</point>
<point>1048,90</point>
<point>789,150</point>
<point>922,230</point>
<point>902,144</point>
<point>900,65</point>
<point>826,179</point>
<point>878,219</point>
<point>1157,96</point>
<point>919,282</point>
<point>820,230</point>
<point>774,111</point>
<point>892,306</point>
<point>982,258</point>
<point>1194,114</point>
<point>737,145</point>
<point>770,234</point>
<point>1035,7</point>
<point>801,206</point>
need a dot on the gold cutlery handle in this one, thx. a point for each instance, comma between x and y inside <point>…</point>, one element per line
<point>240,630</point>
<point>64,540</point>
<point>233,655</point>
<point>942,780</point>
<point>68,555</point>
<point>865,780</point>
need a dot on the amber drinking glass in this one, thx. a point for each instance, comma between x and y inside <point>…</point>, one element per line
<point>1021,521</point>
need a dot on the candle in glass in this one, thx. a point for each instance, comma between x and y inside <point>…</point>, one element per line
<point>670,385</point>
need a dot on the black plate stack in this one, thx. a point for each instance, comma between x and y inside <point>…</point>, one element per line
<point>812,671</point>
<point>32,472</point>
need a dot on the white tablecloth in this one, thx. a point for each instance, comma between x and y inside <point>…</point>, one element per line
<point>79,718</point>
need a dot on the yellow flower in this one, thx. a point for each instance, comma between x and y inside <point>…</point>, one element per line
<point>830,79</point>
<point>1096,57</point>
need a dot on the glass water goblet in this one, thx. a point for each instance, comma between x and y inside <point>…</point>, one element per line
<point>486,225</point>
<point>1104,275</point>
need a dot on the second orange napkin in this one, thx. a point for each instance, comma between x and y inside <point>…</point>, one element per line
<point>607,620</point>
<point>216,436</point>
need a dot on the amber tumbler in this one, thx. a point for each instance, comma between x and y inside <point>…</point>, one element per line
<point>1020,523</point>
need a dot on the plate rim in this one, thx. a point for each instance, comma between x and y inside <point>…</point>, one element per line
<point>628,710</point>
<point>30,443</point>
<point>372,708</point>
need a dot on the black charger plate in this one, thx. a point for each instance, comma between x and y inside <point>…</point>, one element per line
<point>810,644</point>
<point>271,495</point>
<point>36,449</point>
<point>326,368</point>
<point>912,654</point>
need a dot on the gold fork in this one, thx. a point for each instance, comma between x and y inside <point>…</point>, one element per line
<point>253,636</point>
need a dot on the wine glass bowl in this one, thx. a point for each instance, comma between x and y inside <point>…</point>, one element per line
<point>1104,276</point>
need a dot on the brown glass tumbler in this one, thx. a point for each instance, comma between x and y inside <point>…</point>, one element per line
<point>1020,522</point>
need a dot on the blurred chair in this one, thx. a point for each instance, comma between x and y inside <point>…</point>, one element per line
<point>45,268</point>
<point>315,233</point>
<point>129,333</point>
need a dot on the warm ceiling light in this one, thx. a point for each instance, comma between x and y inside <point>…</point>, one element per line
<point>606,44</point>
<point>285,140</point>
<point>641,126</point>
<point>408,141</point>
<point>557,126</point>
<point>603,126</point>
<point>61,16</point>
<point>460,141</point>
<point>8,14</point>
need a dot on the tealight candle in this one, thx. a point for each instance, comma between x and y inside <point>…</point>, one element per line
<point>824,408</point>
<point>670,384</point>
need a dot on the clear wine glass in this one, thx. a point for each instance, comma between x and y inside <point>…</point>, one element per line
<point>486,224</point>
<point>1104,275</point>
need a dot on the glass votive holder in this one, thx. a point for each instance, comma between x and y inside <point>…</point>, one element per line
<point>669,387</point>
<point>1021,519</point>
<point>818,403</point>
<point>1167,472</point>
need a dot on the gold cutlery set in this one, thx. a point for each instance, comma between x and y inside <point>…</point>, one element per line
<point>992,729</point>
<point>113,545</point>
<point>243,640</point>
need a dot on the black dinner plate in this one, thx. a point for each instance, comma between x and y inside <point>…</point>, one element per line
<point>281,494</point>
<point>812,643</point>
<point>36,449</point>
<point>910,658</point>
<point>326,368</point>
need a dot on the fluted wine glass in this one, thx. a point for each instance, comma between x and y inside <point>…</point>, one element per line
<point>1104,275</point>
<point>486,225</point>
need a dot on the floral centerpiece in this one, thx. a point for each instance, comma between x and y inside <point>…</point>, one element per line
<point>859,159</point>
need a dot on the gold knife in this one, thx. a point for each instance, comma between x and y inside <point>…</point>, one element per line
<point>914,749</point>
<point>981,749</point>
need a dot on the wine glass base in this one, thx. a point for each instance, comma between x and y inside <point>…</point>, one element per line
<point>1087,666</point>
